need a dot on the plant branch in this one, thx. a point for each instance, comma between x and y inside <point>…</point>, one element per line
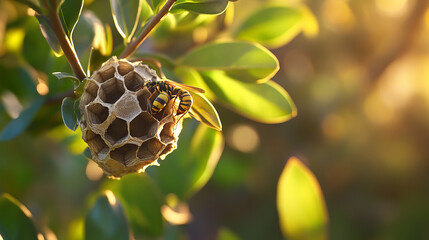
<point>65,44</point>
<point>132,47</point>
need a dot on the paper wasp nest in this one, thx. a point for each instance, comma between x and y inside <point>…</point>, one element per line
<point>116,121</point>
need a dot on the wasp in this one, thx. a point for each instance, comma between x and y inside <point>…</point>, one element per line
<point>168,90</point>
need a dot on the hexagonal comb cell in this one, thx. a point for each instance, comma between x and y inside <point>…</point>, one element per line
<point>143,96</point>
<point>125,153</point>
<point>143,126</point>
<point>116,131</point>
<point>124,68</point>
<point>150,149</point>
<point>111,90</point>
<point>91,90</point>
<point>133,81</point>
<point>97,113</point>
<point>95,142</point>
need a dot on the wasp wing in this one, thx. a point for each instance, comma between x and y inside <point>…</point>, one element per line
<point>187,87</point>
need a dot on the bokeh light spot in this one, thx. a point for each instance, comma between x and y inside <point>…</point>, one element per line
<point>93,171</point>
<point>11,104</point>
<point>338,16</point>
<point>333,126</point>
<point>244,138</point>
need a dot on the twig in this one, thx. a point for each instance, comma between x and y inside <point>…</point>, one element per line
<point>132,47</point>
<point>65,44</point>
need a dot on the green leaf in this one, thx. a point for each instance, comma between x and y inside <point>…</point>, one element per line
<point>142,201</point>
<point>126,15</point>
<point>88,34</point>
<point>70,12</point>
<point>300,203</point>
<point>190,166</point>
<point>18,125</point>
<point>15,220</point>
<point>106,219</point>
<point>202,109</point>
<point>271,26</point>
<point>247,62</point>
<point>48,33</point>
<point>64,75</point>
<point>68,113</point>
<point>267,102</point>
<point>201,6</point>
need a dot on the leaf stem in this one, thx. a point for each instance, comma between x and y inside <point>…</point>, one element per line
<point>65,44</point>
<point>132,47</point>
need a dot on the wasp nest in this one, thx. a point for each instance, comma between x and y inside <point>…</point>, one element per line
<point>117,123</point>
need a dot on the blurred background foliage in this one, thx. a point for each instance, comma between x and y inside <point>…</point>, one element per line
<point>359,79</point>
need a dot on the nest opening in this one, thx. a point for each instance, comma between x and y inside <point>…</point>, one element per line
<point>97,113</point>
<point>125,153</point>
<point>150,149</point>
<point>111,90</point>
<point>143,126</point>
<point>91,89</point>
<point>95,142</point>
<point>116,131</point>
<point>133,81</point>
<point>124,68</point>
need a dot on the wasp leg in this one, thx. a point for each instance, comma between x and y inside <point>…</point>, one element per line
<point>149,108</point>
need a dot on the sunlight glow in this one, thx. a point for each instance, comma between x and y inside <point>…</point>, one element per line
<point>338,16</point>
<point>40,236</point>
<point>110,197</point>
<point>392,8</point>
<point>244,138</point>
<point>11,104</point>
<point>42,87</point>
<point>200,35</point>
<point>175,212</point>
<point>31,12</point>
<point>93,171</point>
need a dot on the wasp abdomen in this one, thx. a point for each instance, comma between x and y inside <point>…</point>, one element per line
<point>160,102</point>
<point>185,102</point>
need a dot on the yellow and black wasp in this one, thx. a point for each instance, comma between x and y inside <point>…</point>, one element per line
<point>168,90</point>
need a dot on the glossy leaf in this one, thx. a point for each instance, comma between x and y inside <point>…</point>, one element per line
<point>15,220</point>
<point>300,203</point>
<point>271,26</point>
<point>48,33</point>
<point>201,6</point>
<point>68,113</point>
<point>126,15</point>
<point>106,219</point>
<point>88,34</point>
<point>267,102</point>
<point>18,125</point>
<point>63,75</point>
<point>69,13</point>
<point>188,168</point>
<point>202,109</point>
<point>142,201</point>
<point>247,62</point>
